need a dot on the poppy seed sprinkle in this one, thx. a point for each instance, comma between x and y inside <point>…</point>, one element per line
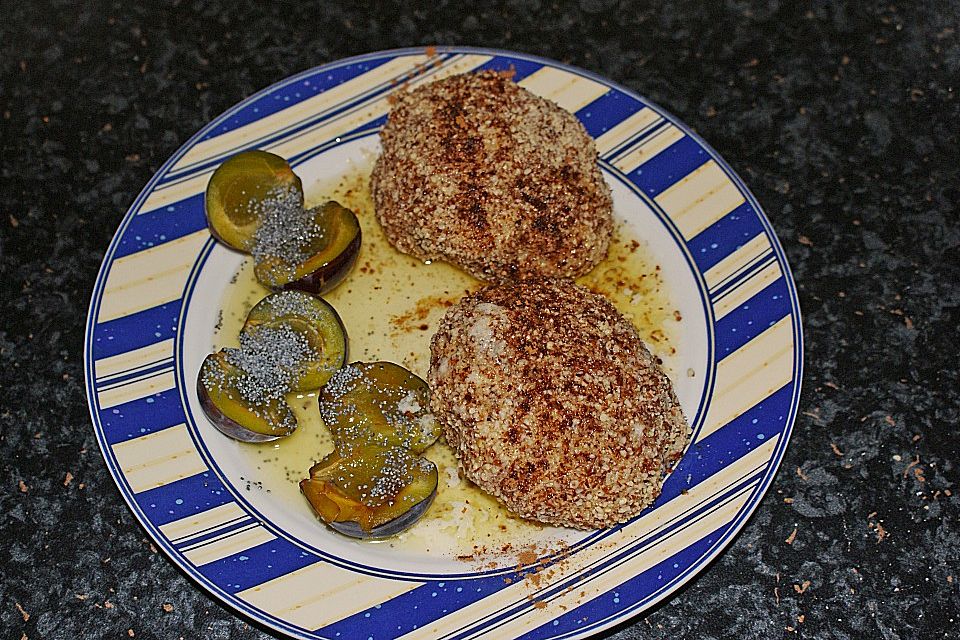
<point>287,230</point>
<point>297,304</point>
<point>360,410</point>
<point>271,360</point>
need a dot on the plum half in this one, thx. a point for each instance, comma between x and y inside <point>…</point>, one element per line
<point>314,319</point>
<point>291,341</point>
<point>237,188</point>
<point>378,403</point>
<point>255,204</point>
<point>329,250</point>
<point>220,387</point>
<point>372,492</point>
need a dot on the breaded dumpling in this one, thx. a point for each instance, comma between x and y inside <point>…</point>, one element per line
<point>553,404</point>
<point>479,172</point>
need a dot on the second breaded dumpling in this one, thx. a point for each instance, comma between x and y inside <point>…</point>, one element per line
<point>553,404</point>
<point>479,172</point>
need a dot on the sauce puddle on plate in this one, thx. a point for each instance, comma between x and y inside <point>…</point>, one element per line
<point>391,304</point>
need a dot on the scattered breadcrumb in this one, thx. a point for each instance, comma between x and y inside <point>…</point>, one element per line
<point>792,536</point>
<point>167,607</point>
<point>876,527</point>
<point>912,464</point>
<point>881,533</point>
<point>23,486</point>
<point>23,613</point>
<point>67,479</point>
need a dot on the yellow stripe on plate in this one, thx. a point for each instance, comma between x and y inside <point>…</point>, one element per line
<point>522,591</point>
<point>159,458</point>
<point>227,546</point>
<point>700,199</point>
<point>626,129</point>
<point>650,147</point>
<point>137,389</point>
<point>310,138</point>
<point>745,255</point>
<point>204,521</point>
<point>149,278</point>
<point>750,374</point>
<point>290,117</point>
<point>322,594</point>
<point>130,361</point>
<point>746,290</point>
<point>572,92</point>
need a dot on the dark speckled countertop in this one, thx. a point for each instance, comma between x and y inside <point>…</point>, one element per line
<point>843,119</point>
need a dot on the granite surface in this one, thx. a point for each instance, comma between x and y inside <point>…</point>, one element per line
<point>841,116</point>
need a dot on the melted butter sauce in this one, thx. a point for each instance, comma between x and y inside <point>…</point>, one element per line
<point>391,305</point>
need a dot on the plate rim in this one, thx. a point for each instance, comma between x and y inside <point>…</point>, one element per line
<point>738,521</point>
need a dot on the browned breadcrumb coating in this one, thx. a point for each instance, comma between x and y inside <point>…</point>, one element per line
<point>478,171</point>
<point>553,404</point>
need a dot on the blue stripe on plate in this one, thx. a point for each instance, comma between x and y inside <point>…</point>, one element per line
<point>610,603</point>
<point>135,330</point>
<point>521,68</point>
<point>725,236</point>
<point>257,565</point>
<point>638,140</point>
<point>752,318</point>
<point>197,541</point>
<point>163,225</point>
<point>744,273</point>
<point>124,378</point>
<point>734,440</point>
<point>414,609</point>
<point>669,166</point>
<point>607,111</point>
<point>373,125</point>
<point>289,95</point>
<point>182,498</point>
<point>142,416</point>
